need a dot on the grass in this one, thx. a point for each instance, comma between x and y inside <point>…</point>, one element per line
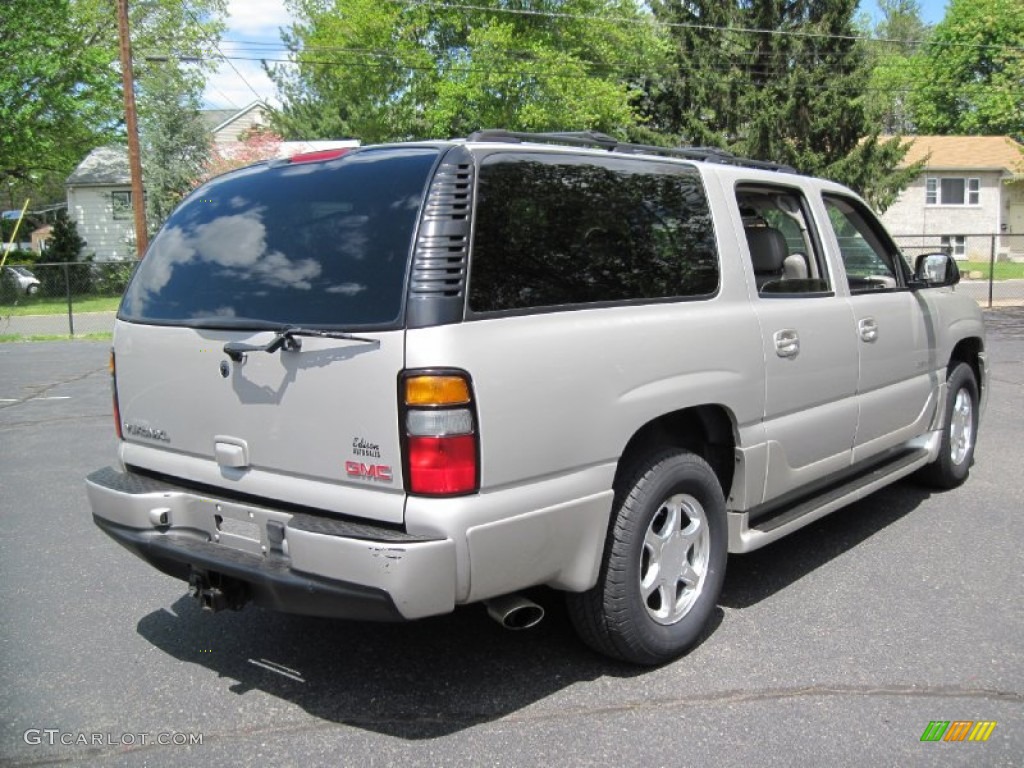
<point>33,305</point>
<point>6,338</point>
<point>1004,270</point>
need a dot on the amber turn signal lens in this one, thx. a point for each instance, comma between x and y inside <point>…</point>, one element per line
<point>436,390</point>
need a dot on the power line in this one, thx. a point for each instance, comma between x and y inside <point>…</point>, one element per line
<point>212,41</point>
<point>698,73</point>
<point>689,25</point>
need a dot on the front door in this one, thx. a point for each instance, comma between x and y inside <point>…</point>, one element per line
<point>1016,222</point>
<point>895,334</point>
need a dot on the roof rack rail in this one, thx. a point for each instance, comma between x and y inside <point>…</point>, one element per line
<point>604,141</point>
<point>572,138</point>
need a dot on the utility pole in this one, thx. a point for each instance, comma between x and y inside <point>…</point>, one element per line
<point>132,125</point>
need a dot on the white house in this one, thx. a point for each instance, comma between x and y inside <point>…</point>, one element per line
<point>99,191</point>
<point>969,197</point>
<point>230,125</point>
<point>100,203</point>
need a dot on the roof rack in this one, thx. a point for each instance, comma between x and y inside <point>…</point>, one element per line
<point>611,144</point>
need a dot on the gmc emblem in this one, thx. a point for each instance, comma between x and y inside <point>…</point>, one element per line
<point>379,472</point>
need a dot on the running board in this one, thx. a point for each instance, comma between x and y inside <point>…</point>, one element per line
<point>746,538</point>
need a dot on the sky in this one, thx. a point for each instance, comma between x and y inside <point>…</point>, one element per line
<point>253,32</point>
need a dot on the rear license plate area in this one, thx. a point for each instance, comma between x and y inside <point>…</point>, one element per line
<point>245,529</point>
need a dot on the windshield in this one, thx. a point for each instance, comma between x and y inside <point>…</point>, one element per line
<point>314,244</point>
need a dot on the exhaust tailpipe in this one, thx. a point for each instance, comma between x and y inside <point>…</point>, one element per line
<point>514,611</point>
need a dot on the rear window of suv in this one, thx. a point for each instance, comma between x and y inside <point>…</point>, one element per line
<point>555,230</point>
<point>313,244</point>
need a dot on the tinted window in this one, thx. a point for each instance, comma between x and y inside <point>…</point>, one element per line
<point>555,229</point>
<point>324,244</point>
<point>781,242</point>
<point>871,260</point>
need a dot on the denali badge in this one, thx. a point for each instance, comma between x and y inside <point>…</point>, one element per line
<point>138,430</point>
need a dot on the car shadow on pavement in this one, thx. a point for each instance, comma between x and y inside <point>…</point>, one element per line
<point>753,577</point>
<point>437,676</point>
<point>417,680</point>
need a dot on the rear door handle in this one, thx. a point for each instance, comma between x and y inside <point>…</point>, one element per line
<point>787,343</point>
<point>868,329</point>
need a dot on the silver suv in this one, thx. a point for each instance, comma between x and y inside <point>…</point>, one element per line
<point>387,382</point>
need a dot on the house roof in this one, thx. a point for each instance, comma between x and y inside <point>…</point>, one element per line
<point>104,166</point>
<point>216,119</point>
<point>976,153</point>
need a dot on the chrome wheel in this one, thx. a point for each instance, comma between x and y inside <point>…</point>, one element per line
<point>961,427</point>
<point>664,561</point>
<point>674,563</point>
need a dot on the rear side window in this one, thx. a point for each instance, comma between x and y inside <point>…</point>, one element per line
<point>553,230</point>
<point>318,244</point>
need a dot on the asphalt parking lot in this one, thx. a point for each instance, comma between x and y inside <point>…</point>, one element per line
<point>836,646</point>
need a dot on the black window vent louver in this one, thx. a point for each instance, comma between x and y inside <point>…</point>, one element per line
<point>438,284</point>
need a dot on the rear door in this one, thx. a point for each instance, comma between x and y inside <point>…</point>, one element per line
<point>318,246</point>
<point>810,352</point>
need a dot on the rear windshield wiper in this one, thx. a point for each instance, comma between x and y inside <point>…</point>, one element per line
<point>287,339</point>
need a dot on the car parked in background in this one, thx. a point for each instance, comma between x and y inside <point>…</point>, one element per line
<point>24,281</point>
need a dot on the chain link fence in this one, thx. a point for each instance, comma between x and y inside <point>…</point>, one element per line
<point>61,299</point>
<point>81,298</point>
<point>991,266</point>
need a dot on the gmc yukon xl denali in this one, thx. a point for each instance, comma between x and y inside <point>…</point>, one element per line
<point>387,382</point>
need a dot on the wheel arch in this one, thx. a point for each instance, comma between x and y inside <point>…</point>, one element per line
<point>969,351</point>
<point>708,431</point>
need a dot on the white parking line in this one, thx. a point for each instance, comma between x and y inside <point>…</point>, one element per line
<point>52,397</point>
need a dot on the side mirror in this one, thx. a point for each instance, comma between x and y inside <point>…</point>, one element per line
<point>936,270</point>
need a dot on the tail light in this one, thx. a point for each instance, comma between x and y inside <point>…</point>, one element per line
<point>113,391</point>
<point>442,450</point>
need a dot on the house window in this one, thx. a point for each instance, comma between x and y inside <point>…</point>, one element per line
<point>952,191</point>
<point>955,245</point>
<point>121,203</point>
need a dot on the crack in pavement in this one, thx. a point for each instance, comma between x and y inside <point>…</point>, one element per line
<point>44,388</point>
<point>55,420</point>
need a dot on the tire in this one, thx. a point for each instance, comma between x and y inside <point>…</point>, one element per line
<point>663,564</point>
<point>32,290</point>
<point>960,433</point>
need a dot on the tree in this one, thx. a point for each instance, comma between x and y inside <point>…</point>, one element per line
<point>65,242</point>
<point>257,144</point>
<point>385,71</point>
<point>175,143</point>
<point>60,86</point>
<point>58,96</point>
<point>972,71</point>
<point>783,82</point>
<point>895,67</point>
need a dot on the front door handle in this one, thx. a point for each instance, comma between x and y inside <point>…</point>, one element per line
<point>787,343</point>
<point>868,329</point>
